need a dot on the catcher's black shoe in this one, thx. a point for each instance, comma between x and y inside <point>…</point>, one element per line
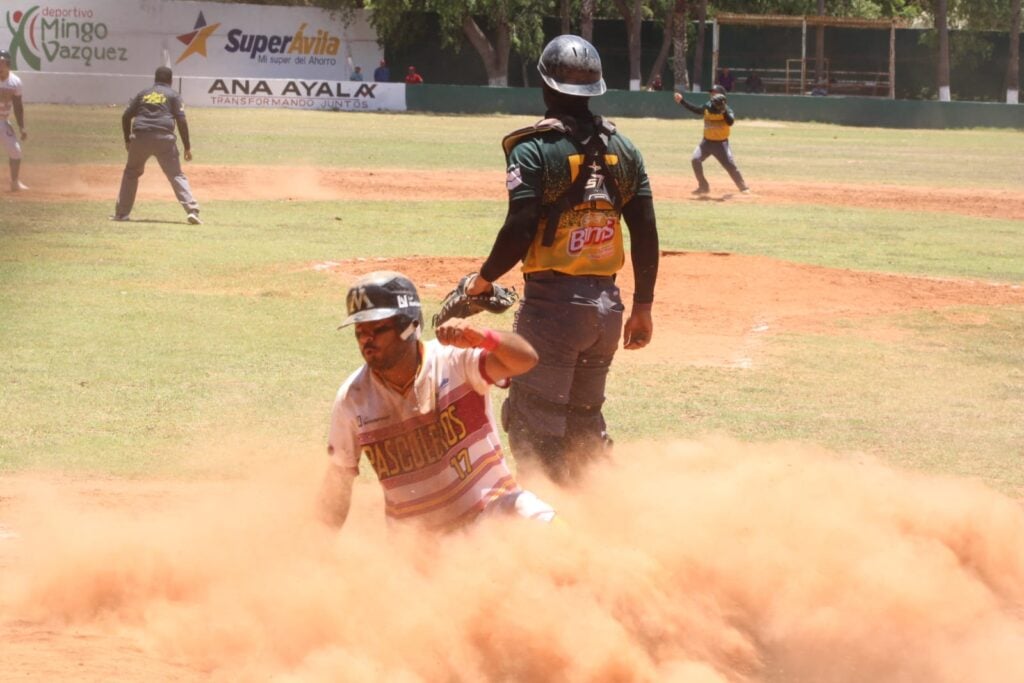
<point>701,190</point>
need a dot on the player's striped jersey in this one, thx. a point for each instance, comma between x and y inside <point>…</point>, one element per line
<point>435,448</point>
<point>9,89</point>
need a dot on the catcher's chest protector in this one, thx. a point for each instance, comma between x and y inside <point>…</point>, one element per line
<point>594,183</point>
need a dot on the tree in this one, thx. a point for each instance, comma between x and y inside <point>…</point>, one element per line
<point>942,31</point>
<point>698,57</point>
<point>674,39</point>
<point>1013,67</point>
<point>632,15</point>
<point>587,20</point>
<point>680,12</point>
<point>492,27</point>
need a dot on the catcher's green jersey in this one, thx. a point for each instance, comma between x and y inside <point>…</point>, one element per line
<point>588,240</point>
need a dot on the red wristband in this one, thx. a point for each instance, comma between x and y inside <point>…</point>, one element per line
<point>490,341</point>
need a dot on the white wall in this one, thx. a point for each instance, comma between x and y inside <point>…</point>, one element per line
<point>104,51</point>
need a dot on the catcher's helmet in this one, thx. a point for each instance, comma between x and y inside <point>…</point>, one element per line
<point>718,89</point>
<point>570,65</point>
<point>382,294</point>
<point>6,57</point>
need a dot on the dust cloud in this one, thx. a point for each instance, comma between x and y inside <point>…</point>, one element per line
<point>707,562</point>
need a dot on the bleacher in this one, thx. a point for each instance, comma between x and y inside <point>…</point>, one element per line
<point>786,81</point>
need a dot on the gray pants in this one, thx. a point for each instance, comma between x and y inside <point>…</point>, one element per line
<point>553,413</point>
<point>165,148</point>
<point>721,151</point>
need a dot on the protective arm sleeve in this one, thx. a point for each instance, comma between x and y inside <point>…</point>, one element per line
<point>644,253</point>
<point>695,109</point>
<point>730,118</point>
<point>514,238</point>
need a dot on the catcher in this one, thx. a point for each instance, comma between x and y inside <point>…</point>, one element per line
<point>571,178</point>
<point>718,120</point>
<point>421,414</point>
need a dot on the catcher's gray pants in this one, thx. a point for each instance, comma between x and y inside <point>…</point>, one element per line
<point>720,150</point>
<point>553,411</point>
<point>165,149</point>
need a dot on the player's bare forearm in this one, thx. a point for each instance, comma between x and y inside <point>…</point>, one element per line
<point>508,353</point>
<point>335,496</point>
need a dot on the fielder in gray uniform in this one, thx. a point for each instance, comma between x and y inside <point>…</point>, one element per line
<point>148,124</point>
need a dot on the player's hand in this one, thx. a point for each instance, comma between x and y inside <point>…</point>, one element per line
<point>460,333</point>
<point>24,134</point>
<point>477,285</point>
<point>639,329</point>
<point>188,155</point>
<point>678,97</point>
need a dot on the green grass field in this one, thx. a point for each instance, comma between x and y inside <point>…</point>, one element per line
<point>124,347</point>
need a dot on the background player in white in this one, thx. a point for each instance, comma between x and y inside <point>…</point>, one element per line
<point>10,98</point>
<point>421,413</point>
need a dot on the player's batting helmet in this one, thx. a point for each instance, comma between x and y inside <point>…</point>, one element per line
<point>6,57</point>
<point>571,66</point>
<point>382,294</point>
<point>718,89</point>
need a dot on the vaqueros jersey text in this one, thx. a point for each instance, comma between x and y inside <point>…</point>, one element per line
<point>588,240</point>
<point>9,89</point>
<point>435,449</point>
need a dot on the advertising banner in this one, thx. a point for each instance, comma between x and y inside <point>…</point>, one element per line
<point>293,93</point>
<point>103,40</point>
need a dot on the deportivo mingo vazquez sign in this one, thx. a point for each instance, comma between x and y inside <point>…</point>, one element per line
<point>132,37</point>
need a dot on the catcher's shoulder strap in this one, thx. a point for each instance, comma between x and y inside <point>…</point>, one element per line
<point>542,126</point>
<point>584,188</point>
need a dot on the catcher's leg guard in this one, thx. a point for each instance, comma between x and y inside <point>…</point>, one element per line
<point>586,438</point>
<point>531,439</point>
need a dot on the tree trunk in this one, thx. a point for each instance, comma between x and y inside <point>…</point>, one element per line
<point>698,57</point>
<point>1013,67</point>
<point>678,20</point>
<point>819,47</point>
<point>666,43</point>
<point>566,21</point>
<point>942,28</point>
<point>494,56</point>
<point>587,20</point>
<point>632,16</point>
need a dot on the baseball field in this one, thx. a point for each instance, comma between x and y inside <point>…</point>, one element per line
<point>819,463</point>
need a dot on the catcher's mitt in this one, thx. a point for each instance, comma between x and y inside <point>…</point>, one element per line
<point>459,304</point>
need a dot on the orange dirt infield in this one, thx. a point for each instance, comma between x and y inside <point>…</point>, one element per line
<point>716,309</point>
<point>712,308</point>
<point>309,183</point>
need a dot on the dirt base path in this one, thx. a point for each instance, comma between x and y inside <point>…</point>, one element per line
<point>717,309</point>
<point>92,182</point>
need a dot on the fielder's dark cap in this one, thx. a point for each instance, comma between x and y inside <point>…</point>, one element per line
<point>164,75</point>
<point>5,56</point>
